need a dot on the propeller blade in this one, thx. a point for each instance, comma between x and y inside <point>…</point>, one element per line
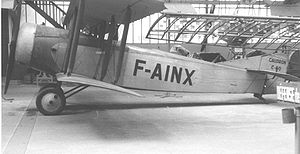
<point>16,16</point>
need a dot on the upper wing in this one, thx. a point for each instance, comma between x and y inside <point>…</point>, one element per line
<point>97,10</point>
<point>92,82</point>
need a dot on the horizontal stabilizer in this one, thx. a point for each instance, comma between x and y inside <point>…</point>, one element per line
<point>75,78</point>
<point>281,75</point>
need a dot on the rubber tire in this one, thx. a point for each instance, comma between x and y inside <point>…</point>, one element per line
<point>48,90</point>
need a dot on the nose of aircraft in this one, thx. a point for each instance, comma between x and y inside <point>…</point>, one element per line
<point>25,43</point>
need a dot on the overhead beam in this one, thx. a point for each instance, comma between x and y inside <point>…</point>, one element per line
<point>239,29</point>
<point>192,1</point>
<point>232,2</point>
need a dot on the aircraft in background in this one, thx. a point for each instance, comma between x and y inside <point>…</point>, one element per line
<point>89,54</point>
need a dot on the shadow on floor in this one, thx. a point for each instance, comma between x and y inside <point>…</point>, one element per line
<point>81,108</point>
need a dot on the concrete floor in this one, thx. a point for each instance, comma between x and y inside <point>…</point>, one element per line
<point>101,121</point>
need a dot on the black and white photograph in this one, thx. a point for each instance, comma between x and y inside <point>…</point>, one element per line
<point>150,77</point>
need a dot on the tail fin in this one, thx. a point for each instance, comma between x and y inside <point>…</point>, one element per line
<point>275,64</point>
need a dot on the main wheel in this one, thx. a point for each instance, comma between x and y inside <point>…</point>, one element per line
<point>50,101</point>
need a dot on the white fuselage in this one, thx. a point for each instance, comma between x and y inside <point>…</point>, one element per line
<point>147,69</point>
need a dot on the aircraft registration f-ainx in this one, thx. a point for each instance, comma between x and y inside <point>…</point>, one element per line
<point>98,60</point>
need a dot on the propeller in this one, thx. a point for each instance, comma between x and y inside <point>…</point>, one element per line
<point>16,16</point>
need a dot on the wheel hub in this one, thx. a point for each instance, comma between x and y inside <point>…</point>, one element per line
<point>51,102</point>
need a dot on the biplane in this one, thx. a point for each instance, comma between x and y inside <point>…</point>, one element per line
<point>87,53</point>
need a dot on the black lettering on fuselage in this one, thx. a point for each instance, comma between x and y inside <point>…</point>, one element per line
<point>176,74</point>
<point>137,67</point>
<point>188,77</point>
<point>167,72</point>
<point>275,60</point>
<point>156,72</point>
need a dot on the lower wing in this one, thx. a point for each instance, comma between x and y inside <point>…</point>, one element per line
<point>75,78</point>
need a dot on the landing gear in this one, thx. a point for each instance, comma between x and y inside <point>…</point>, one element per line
<point>259,96</point>
<point>51,100</point>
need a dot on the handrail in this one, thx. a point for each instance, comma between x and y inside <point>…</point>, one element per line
<point>49,10</point>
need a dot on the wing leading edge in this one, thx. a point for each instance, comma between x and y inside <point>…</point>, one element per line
<point>75,78</point>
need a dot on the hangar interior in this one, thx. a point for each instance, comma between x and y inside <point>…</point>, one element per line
<point>51,13</point>
<point>245,48</point>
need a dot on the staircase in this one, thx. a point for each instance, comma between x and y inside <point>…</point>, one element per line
<point>49,10</point>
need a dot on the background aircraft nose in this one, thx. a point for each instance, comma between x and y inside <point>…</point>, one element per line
<point>25,43</point>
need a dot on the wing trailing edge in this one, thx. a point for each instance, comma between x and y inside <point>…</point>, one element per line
<point>75,78</point>
<point>281,75</point>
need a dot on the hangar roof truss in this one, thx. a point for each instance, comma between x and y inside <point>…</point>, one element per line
<point>266,33</point>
